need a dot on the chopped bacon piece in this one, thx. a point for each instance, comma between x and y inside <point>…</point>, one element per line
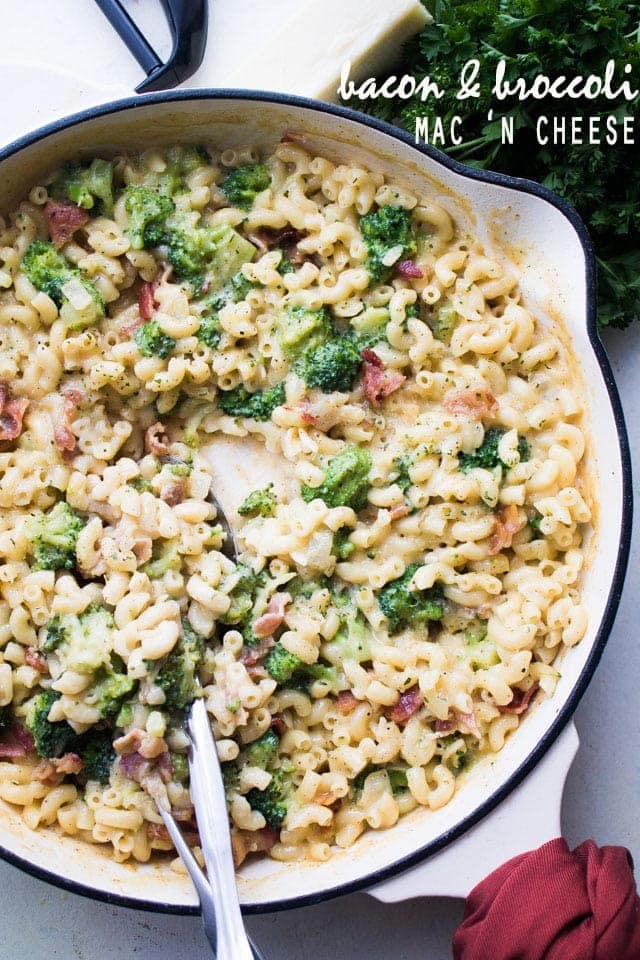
<point>69,763</point>
<point>317,413</point>
<point>146,300</point>
<point>16,742</point>
<point>508,523</point>
<point>35,660</point>
<point>409,270</point>
<point>259,243</point>
<point>152,747</point>
<point>45,772</point>
<point>172,493</point>
<point>257,672</point>
<point>469,720</point>
<point>135,767</point>
<point>165,766</point>
<point>63,219</point>
<point>12,410</point>
<point>347,702</point>
<point>157,831</point>
<point>186,815</point>
<point>129,328</point>
<point>252,655</point>
<point>476,404</point>
<point>268,623</point>
<point>378,382</point>
<point>444,726</point>
<point>408,703</point>
<point>244,842</point>
<point>129,742</point>
<point>155,439</point>
<point>278,724</point>
<point>65,439</point>
<point>286,239</point>
<point>399,511</point>
<point>293,136</point>
<point>521,700</point>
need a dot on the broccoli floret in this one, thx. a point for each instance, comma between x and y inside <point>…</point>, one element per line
<point>49,272</point>
<point>476,632</point>
<point>183,159</point>
<point>444,322</point>
<point>370,325</point>
<point>53,537</point>
<point>55,632</point>
<point>534,521</point>
<point>50,739</point>
<point>82,641</point>
<point>125,716</point>
<point>232,292</point>
<point>342,548</point>
<point>147,212</point>
<point>524,449</point>
<point>198,253</point>
<point>388,235</point>
<point>242,596</point>
<point>403,465</point>
<point>152,342</point>
<point>308,673</point>
<point>177,677</point>
<point>332,366</point>
<point>180,767</point>
<point>256,406</point>
<point>272,803</point>
<point>306,588</point>
<point>164,556</point>
<point>285,266</point>
<point>235,290</point>
<point>290,671</point>
<point>260,503</point>
<point>352,640</point>
<point>403,606</point>
<point>109,692</point>
<point>482,653</point>
<point>239,286</point>
<point>302,330</point>
<point>84,185</point>
<point>486,456</point>
<point>397,778</point>
<point>346,480</point>
<point>95,749</point>
<point>280,664</point>
<point>262,752</point>
<point>180,161</point>
<point>230,778</point>
<point>242,184</point>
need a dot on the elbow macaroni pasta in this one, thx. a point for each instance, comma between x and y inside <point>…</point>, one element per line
<point>476,494</point>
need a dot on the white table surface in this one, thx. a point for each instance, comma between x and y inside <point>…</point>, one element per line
<point>40,922</point>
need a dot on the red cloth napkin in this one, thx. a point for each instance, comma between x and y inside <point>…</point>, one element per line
<point>554,904</point>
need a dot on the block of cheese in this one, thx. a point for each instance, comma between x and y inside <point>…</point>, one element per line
<point>306,55</point>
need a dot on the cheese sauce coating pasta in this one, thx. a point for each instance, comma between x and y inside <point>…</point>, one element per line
<point>390,619</point>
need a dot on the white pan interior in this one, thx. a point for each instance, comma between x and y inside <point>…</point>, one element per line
<point>551,261</point>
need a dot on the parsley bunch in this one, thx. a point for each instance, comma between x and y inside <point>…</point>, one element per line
<point>553,37</point>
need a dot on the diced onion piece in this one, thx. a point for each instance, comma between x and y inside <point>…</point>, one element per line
<point>77,294</point>
<point>392,255</point>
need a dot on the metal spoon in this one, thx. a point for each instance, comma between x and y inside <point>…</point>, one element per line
<point>217,890</point>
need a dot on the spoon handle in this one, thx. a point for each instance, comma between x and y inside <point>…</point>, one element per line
<point>207,790</point>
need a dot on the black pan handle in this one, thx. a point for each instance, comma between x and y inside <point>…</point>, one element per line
<point>188,22</point>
